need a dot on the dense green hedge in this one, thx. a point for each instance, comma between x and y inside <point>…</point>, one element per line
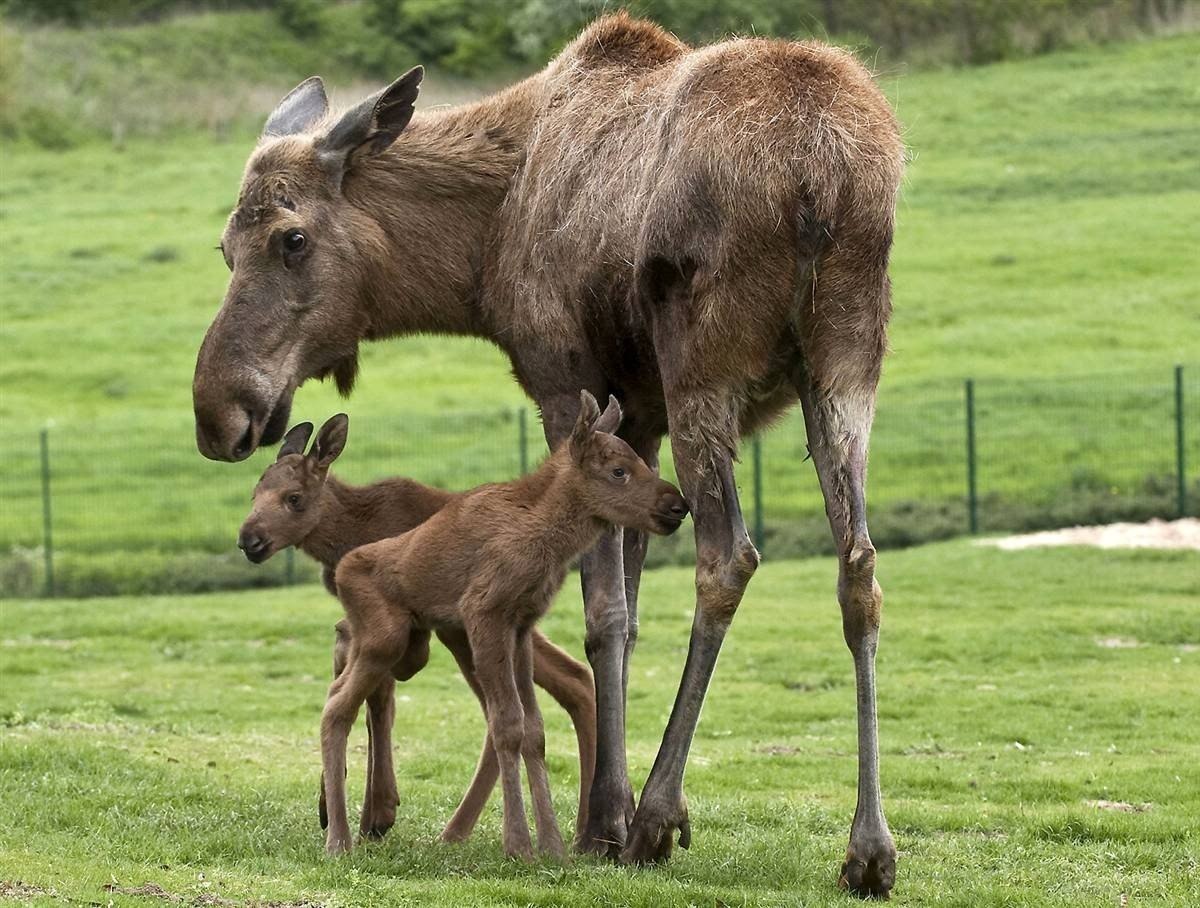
<point>471,36</point>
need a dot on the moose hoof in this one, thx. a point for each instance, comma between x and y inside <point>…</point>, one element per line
<point>376,822</point>
<point>652,835</point>
<point>869,872</point>
<point>607,827</point>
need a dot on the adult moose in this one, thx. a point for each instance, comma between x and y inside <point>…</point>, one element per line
<point>702,232</point>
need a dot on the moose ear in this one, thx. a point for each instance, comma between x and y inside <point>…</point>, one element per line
<point>372,126</point>
<point>589,412</point>
<point>304,105</point>
<point>610,420</point>
<point>295,440</point>
<point>331,440</point>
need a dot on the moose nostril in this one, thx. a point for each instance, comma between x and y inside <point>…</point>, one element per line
<point>249,543</point>
<point>246,443</point>
<point>679,509</point>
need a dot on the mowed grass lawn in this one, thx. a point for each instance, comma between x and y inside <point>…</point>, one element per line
<point>172,742</point>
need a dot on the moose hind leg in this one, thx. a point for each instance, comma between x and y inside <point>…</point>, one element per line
<point>703,432</point>
<point>838,425</point>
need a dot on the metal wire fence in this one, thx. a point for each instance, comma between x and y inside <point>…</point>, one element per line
<point>121,507</point>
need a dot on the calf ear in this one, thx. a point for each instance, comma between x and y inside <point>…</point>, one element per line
<point>610,420</point>
<point>331,440</point>
<point>372,126</point>
<point>589,412</point>
<point>295,440</point>
<point>302,108</point>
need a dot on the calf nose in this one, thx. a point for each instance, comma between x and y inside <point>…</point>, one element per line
<point>672,503</point>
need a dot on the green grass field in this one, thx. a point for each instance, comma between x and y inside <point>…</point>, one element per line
<point>1047,228</point>
<point>173,742</point>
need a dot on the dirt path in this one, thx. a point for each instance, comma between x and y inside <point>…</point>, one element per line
<point>1155,534</point>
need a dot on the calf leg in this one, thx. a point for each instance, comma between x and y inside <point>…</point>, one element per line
<point>570,683</point>
<point>369,664</point>
<point>487,771</point>
<point>380,798</point>
<point>506,723</point>
<point>533,750</point>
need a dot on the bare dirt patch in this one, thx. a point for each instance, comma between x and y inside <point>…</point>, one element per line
<point>203,900</point>
<point>1154,534</point>
<point>1119,806</point>
<point>17,890</point>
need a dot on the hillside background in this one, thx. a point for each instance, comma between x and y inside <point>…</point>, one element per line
<point>1045,248</point>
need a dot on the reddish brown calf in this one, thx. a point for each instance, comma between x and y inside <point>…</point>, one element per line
<point>483,570</point>
<point>299,502</point>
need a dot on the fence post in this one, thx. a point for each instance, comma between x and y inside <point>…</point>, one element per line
<point>47,524</point>
<point>289,566</point>
<point>759,534</point>
<point>1181,476</point>
<point>972,491</point>
<point>522,441</point>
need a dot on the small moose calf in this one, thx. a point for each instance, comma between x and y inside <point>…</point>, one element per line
<point>299,502</point>
<point>488,564</point>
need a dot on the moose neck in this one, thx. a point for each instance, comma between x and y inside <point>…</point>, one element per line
<point>434,196</point>
<point>345,522</point>
<point>566,526</point>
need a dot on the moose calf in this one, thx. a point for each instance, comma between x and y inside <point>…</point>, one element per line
<point>299,502</point>
<point>487,566</point>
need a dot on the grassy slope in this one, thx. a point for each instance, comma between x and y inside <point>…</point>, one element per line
<point>173,740</point>
<point>1047,227</point>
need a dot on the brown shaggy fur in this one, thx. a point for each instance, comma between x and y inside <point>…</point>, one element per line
<point>703,232</point>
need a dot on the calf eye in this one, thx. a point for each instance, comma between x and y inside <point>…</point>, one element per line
<point>293,501</point>
<point>293,241</point>
<point>618,473</point>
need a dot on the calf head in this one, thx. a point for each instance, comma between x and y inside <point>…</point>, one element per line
<point>287,500</point>
<point>301,253</point>
<point>615,484</point>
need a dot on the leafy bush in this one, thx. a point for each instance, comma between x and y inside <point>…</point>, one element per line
<point>300,17</point>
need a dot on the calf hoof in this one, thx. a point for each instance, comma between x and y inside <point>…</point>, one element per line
<point>519,851</point>
<point>336,845</point>
<point>869,870</point>
<point>453,834</point>
<point>652,835</point>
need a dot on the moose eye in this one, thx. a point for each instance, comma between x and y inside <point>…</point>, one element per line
<point>293,241</point>
<point>293,501</point>
<point>618,473</point>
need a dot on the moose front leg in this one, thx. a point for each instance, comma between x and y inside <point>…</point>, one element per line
<point>610,804</point>
<point>725,561</point>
